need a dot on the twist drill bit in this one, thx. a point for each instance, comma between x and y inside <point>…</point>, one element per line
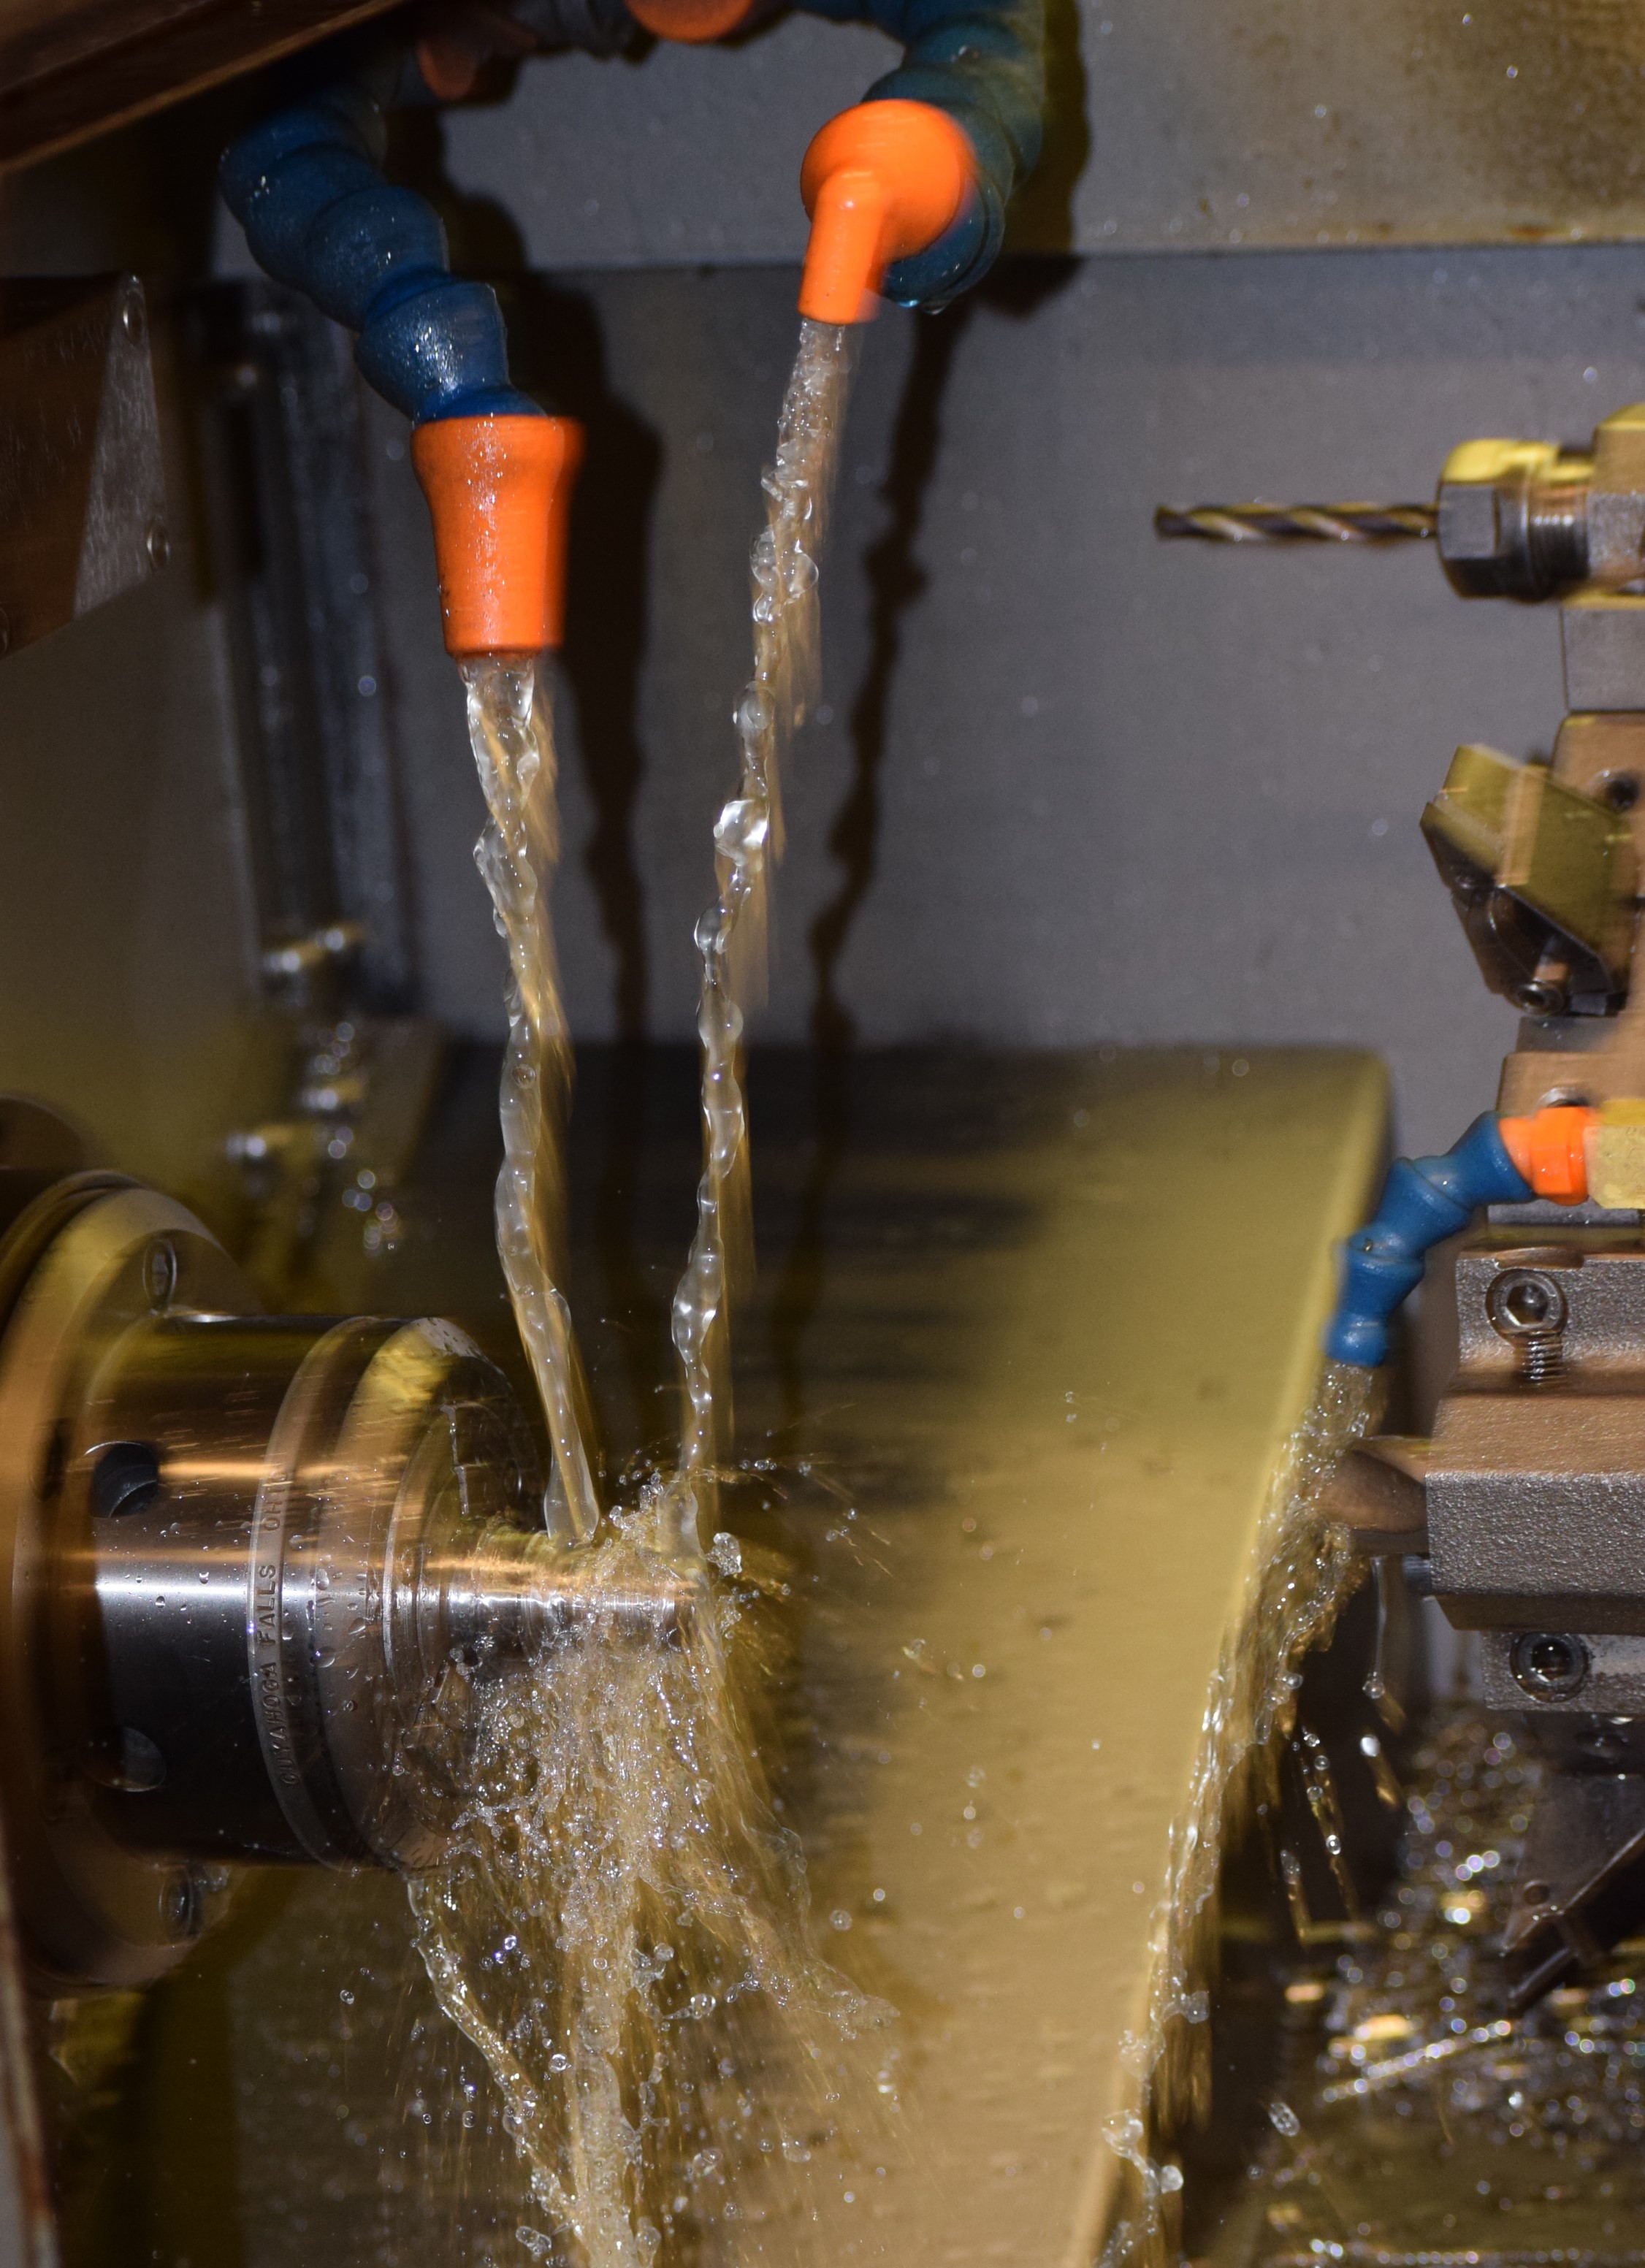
<point>1299,523</point>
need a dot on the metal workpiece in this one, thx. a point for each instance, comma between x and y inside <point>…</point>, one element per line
<point>83,513</point>
<point>241,1559</point>
<point>262,1494</point>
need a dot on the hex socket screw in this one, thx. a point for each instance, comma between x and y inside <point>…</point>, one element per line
<point>1549,1665</point>
<point>1527,1309</point>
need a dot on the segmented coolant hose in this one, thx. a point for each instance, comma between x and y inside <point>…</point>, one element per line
<point>1424,1201</point>
<point>306,187</point>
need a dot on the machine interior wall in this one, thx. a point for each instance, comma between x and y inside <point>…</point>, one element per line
<point>1073,784</point>
<point>1069,783</point>
<point>130,998</point>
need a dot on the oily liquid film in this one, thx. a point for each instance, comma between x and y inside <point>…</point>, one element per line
<point>513,751</point>
<point>747,837</point>
<point>618,1922</point>
<point>1301,1572</point>
<point>623,1929</point>
<point>1417,2121</point>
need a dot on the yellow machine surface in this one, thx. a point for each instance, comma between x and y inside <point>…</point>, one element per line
<point>1020,1366</point>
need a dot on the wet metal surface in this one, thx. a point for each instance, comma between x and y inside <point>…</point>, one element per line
<point>1414,2119</point>
<point>1029,1331</point>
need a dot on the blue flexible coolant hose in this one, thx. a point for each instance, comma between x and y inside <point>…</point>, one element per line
<point>1424,1201</point>
<point>306,188</point>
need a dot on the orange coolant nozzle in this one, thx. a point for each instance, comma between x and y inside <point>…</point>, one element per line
<point>880,181</point>
<point>499,492</point>
<point>1550,1149</point>
<point>689,21</point>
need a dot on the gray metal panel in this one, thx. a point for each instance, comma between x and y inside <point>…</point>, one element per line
<point>130,997</point>
<point>1615,1683</point>
<point>1127,790</point>
<point>1330,122</point>
<point>1180,125</point>
<point>293,554</point>
<point>1603,638</point>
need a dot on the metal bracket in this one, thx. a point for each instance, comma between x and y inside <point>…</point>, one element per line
<point>82,487</point>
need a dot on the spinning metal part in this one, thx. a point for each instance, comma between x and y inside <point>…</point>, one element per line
<point>241,1559</point>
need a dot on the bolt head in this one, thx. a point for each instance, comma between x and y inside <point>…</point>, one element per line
<point>1525,1303</point>
<point>1468,525</point>
<point>1549,1665</point>
<point>1538,997</point>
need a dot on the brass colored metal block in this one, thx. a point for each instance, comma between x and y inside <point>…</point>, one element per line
<point>1616,1156</point>
<point>1542,874</point>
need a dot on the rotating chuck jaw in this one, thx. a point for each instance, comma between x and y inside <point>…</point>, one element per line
<point>242,1558</point>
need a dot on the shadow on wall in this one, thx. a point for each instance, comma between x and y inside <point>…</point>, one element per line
<point>1042,212</point>
<point>559,355</point>
<point>896,580</point>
